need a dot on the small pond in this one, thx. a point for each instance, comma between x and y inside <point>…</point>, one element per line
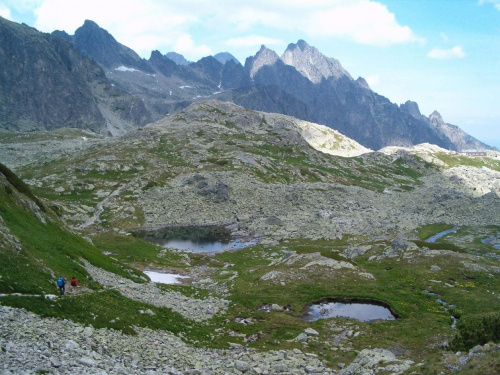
<point>165,278</point>
<point>364,311</point>
<point>195,239</point>
<point>494,241</point>
<point>442,234</point>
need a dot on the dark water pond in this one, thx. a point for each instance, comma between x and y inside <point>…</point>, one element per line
<point>195,239</point>
<point>362,311</point>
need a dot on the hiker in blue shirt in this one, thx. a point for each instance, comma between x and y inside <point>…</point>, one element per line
<point>61,283</point>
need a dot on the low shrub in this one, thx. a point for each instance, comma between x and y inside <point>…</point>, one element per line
<point>476,332</point>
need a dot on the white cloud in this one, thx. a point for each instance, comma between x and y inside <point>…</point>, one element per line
<point>496,3</point>
<point>144,25</point>
<point>186,46</point>
<point>22,5</point>
<point>373,80</point>
<point>453,53</point>
<point>363,21</point>
<point>5,12</point>
<point>253,41</point>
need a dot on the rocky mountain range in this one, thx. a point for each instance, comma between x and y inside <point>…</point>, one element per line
<point>125,91</point>
<point>46,83</point>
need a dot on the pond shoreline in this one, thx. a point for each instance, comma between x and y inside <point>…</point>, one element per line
<point>351,300</point>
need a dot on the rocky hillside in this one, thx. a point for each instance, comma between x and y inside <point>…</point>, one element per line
<point>47,84</point>
<point>324,219</point>
<point>211,155</point>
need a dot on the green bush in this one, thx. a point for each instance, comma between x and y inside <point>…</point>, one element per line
<point>476,332</point>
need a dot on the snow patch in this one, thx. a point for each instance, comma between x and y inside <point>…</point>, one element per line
<point>123,68</point>
<point>165,278</point>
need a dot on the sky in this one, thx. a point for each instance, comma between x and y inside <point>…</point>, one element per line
<point>442,54</point>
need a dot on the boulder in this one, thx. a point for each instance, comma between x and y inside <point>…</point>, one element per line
<point>276,307</point>
<point>311,332</point>
<point>371,361</point>
<point>241,366</point>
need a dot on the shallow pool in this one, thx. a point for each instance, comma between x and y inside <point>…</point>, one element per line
<point>442,234</point>
<point>364,312</point>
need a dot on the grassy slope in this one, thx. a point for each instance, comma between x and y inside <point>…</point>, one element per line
<point>46,250</point>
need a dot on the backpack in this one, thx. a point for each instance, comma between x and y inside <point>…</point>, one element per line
<point>60,281</point>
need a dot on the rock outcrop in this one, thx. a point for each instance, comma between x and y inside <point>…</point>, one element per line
<point>311,63</point>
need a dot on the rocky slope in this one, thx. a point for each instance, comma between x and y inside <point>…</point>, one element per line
<point>73,348</point>
<point>47,84</point>
<point>217,155</point>
<point>331,218</point>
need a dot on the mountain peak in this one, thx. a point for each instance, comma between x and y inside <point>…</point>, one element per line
<point>311,63</point>
<point>177,58</point>
<point>97,43</point>
<point>224,57</point>
<point>412,109</point>
<point>302,44</point>
<point>264,57</point>
<point>89,24</point>
<point>435,118</point>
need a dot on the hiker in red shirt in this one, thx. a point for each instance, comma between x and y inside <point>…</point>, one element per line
<point>74,283</point>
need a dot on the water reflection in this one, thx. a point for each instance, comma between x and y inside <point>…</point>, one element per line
<point>365,312</point>
<point>196,239</point>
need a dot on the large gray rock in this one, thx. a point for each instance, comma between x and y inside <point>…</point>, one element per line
<point>311,332</point>
<point>371,361</point>
<point>241,366</point>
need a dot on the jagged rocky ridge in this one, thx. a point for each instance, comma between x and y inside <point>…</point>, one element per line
<point>302,83</point>
<point>72,91</point>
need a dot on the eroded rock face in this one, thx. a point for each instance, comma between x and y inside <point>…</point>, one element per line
<point>48,84</point>
<point>311,63</point>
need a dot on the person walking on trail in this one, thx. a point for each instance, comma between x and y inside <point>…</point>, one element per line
<point>61,283</point>
<point>74,284</point>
